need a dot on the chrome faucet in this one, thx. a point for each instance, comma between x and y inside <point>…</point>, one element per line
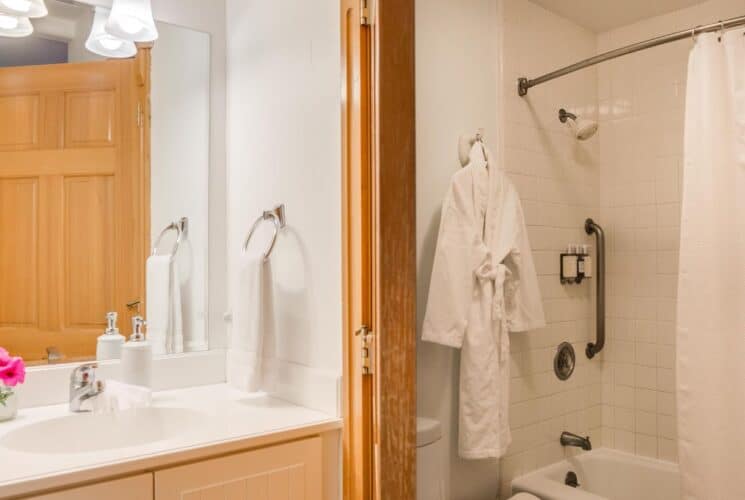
<point>569,439</point>
<point>84,386</point>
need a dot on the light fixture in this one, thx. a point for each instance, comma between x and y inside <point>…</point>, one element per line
<point>15,27</point>
<point>102,43</point>
<point>132,20</point>
<point>24,8</point>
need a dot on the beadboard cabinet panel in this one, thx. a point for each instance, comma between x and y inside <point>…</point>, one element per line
<point>131,488</point>
<point>291,471</point>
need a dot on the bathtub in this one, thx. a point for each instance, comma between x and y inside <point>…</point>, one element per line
<point>604,474</point>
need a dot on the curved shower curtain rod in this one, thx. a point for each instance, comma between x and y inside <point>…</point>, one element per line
<point>524,84</point>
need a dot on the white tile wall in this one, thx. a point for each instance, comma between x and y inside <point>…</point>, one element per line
<point>641,102</point>
<point>628,177</point>
<point>557,178</point>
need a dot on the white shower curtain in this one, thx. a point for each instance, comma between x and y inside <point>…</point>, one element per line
<point>711,287</point>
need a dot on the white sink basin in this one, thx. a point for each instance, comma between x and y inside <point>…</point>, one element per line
<point>87,432</point>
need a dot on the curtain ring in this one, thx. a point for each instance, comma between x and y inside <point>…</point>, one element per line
<point>694,35</point>
<point>721,30</point>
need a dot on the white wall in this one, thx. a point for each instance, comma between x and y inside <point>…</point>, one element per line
<point>193,14</point>
<point>284,146</point>
<point>456,93</point>
<point>179,175</point>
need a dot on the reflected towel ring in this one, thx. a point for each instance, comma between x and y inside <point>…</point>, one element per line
<point>277,216</point>
<point>181,227</point>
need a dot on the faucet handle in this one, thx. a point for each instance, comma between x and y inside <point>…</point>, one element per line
<point>84,374</point>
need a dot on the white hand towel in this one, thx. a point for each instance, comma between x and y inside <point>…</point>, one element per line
<point>164,310</point>
<point>253,325</point>
<point>117,397</point>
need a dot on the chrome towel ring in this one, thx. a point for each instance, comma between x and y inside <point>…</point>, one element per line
<point>181,227</point>
<point>277,216</point>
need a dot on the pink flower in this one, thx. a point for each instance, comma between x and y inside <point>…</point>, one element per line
<point>4,357</point>
<point>13,372</point>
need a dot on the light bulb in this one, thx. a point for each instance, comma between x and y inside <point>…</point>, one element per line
<point>24,8</point>
<point>131,26</point>
<point>102,43</point>
<point>8,22</point>
<point>110,43</point>
<point>132,20</point>
<point>18,5</point>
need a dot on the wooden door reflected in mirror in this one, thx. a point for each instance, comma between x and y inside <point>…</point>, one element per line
<point>74,201</point>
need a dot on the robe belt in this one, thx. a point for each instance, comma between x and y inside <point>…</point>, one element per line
<point>493,276</point>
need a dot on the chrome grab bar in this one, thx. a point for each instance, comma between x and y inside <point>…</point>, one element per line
<point>591,227</point>
<point>181,227</point>
<point>277,216</point>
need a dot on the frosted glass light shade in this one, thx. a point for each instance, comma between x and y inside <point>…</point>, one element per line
<point>132,20</point>
<point>15,27</point>
<point>102,43</point>
<point>24,8</point>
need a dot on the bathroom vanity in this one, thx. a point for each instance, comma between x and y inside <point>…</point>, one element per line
<point>196,443</point>
<point>129,196</point>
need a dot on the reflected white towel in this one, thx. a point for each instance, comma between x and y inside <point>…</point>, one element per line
<point>117,397</point>
<point>164,321</point>
<point>253,325</point>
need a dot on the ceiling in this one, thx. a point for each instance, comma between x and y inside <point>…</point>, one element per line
<point>604,15</point>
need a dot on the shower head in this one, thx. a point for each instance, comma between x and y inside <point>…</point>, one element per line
<point>583,128</point>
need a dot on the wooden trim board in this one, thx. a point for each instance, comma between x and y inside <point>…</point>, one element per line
<point>379,249</point>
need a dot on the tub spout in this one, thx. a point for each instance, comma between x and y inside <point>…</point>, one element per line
<point>569,439</point>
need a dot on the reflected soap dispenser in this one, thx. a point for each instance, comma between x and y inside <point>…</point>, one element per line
<point>109,345</point>
<point>137,356</point>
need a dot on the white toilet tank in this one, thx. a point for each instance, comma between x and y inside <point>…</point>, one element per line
<point>431,462</point>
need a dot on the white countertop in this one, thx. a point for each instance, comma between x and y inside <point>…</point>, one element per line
<point>233,421</point>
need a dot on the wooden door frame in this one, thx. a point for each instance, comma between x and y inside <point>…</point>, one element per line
<point>392,241</point>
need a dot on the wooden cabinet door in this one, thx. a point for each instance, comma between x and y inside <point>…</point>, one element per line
<point>73,209</point>
<point>132,488</point>
<point>289,471</point>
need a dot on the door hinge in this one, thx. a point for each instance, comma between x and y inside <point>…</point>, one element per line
<point>364,13</point>
<point>367,345</point>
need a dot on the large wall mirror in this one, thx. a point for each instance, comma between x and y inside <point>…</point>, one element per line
<point>100,160</point>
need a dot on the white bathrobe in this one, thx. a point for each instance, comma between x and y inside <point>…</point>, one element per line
<point>483,286</point>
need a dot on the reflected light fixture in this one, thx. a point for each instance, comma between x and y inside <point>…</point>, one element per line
<point>132,20</point>
<point>24,8</point>
<point>104,44</point>
<point>15,27</point>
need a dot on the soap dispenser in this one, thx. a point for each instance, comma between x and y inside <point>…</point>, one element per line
<point>109,345</point>
<point>137,356</point>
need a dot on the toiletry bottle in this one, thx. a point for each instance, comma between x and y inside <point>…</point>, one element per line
<point>581,264</point>
<point>137,356</point>
<point>109,345</point>
<point>588,261</point>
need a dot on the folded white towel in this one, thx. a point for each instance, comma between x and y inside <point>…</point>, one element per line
<point>253,325</point>
<point>164,309</point>
<point>117,397</point>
